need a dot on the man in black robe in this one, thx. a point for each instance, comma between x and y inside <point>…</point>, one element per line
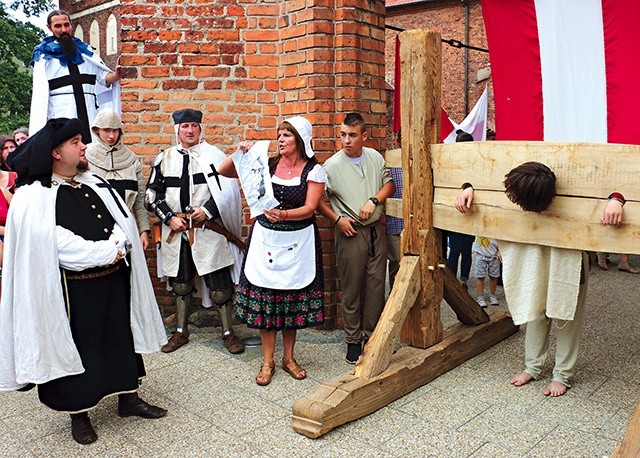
<point>105,291</point>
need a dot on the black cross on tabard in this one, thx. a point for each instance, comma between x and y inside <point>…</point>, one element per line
<point>182,181</point>
<point>105,184</point>
<point>214,173</point>
<point>75,79</point>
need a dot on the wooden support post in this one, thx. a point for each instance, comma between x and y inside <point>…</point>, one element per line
<point>379,349</point>
<point>349,397</point>
<point>420,56</point>
<point>630,445</point>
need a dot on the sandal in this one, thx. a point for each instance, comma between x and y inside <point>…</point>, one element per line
<point>266,373</point>
<point>294,369</point>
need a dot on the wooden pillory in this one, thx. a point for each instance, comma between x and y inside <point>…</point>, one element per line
<point>432,176</point>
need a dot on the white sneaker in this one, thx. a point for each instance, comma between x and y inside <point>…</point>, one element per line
<point>493,300</point>
<point>481,302</point>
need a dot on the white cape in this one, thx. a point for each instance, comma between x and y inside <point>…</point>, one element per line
<point>108,97</point>
<point>36,345</point>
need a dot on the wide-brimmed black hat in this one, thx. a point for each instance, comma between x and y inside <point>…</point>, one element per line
<point>187,115</point>
<point>32,160</point>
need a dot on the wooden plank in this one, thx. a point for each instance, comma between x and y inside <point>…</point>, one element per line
<point>378,351</point>
<point>393,158</point>
<point>420,61</point>
<point>393,207</point>
<point>630,445</point>
<point>570,222</point>
<point>410,368</point>
<point>582,169</point>
<point>465,307</point>
<point>423,326</point>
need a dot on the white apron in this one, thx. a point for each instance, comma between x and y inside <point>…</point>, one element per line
<point>283,260</point>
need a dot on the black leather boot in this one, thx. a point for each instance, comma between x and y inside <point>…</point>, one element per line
<point>81,429</point>
<point>130,404</point>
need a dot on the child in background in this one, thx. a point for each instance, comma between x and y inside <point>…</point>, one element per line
<point>487,263</point>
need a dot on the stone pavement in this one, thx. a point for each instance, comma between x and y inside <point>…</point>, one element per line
<point>216,409</point>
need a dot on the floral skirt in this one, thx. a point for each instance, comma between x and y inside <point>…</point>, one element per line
<point>274,309</point>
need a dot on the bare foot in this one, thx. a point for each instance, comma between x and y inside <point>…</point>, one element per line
<point>555,389</point>
<point>521,379</point>
<point>627,268</point>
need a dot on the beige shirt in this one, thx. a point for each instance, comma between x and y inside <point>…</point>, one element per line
<point>350,185</point>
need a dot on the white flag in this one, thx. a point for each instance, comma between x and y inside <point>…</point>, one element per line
<point>475,123</point>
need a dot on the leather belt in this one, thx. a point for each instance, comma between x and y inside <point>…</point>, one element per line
<point>98,274</point>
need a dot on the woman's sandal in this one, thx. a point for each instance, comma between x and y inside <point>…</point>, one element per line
<point>294,369</point>
<point>266,373</point>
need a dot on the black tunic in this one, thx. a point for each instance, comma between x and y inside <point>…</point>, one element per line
<point>99,314</point>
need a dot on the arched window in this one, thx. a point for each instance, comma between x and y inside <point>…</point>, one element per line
<point>112,36</point>
<point>94,36</point>
<point>79,33</point>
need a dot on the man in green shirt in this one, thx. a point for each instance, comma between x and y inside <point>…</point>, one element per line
<point>358,183</point>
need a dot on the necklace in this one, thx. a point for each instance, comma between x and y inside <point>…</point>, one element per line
<point>291,168</point>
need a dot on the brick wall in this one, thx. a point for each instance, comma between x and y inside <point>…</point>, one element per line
<point>84,13</point>
<point>448,18</point>
<point>248,65</point>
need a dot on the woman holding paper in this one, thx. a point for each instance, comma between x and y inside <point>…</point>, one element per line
<point>281,285</point>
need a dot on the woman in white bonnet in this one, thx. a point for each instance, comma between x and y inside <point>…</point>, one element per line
<point>282,285</point>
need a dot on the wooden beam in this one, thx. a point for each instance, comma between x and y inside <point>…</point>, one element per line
<point>630,445</point>
<point>393,158</point>
<point>423,326</point>
<point>378,351</point>
<point>582,169</point>
<point>570,222</point>
<point>347,397</point>
<point>420,58</point>
<point>465,307</point>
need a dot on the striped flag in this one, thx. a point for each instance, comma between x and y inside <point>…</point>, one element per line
<point>565,70</point>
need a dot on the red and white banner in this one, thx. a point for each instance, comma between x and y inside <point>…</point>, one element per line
<point>565,70</point>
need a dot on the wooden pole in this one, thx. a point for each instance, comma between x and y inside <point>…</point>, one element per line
<point>420,57</point>
<point>630,445</point>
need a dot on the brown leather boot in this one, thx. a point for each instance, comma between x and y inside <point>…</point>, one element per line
<point>81,429</point>
<point>176,341</point>
<point>233,344</point>
<point>130,404</point>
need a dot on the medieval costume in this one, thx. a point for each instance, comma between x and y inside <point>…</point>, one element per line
<point>73,321</point>
<point>69,87</point>
<point>120,166</point>
<point>181,180</point>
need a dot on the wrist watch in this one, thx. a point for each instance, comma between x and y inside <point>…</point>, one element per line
<point>375,201</point>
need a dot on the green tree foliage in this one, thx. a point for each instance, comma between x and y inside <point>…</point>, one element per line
<point>30,7</point>
<point>17,41</point>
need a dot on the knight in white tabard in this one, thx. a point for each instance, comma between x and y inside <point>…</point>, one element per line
<point>201,214</point>
<point>69,79</point>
